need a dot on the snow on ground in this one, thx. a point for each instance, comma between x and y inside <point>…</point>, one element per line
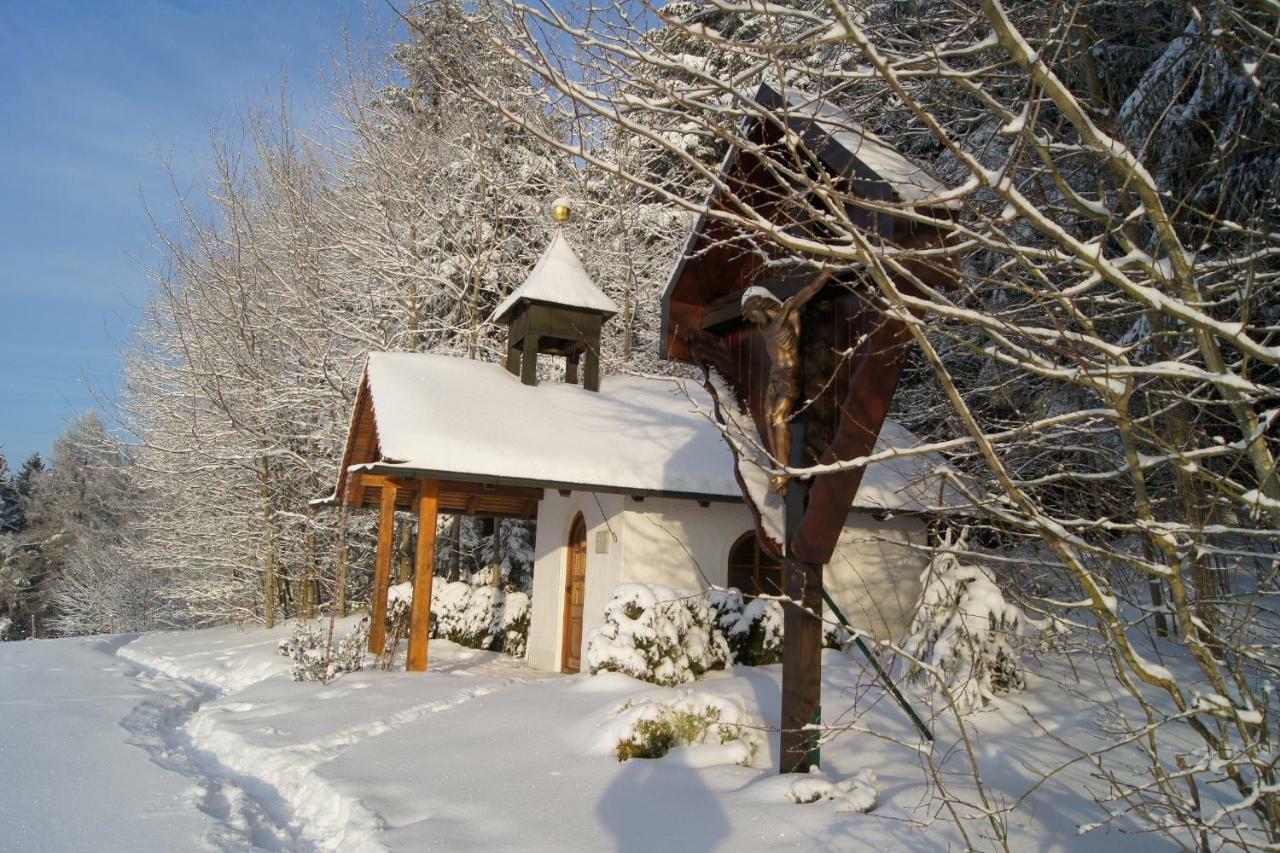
<point>84,761</point>
<point>200,740</point>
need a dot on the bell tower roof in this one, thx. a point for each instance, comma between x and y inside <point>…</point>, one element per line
<point>558,279</point>
<point>557,311</point>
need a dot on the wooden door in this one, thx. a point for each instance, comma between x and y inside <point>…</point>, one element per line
<point>575,588</point>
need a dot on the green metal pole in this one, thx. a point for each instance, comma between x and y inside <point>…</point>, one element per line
<point>875,664</point>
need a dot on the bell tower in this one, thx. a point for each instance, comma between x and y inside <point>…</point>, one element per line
<point>557,311</point>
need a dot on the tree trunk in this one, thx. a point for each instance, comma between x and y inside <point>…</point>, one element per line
<point>311,577</point>
<point>455,558</point>
<point>269,568</point>
<point>340,581</point>
<point>404,558</point>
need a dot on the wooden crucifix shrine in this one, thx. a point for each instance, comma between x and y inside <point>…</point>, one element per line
<point>804,347</point>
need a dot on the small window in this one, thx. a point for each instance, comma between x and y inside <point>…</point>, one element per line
<point>752,570</point>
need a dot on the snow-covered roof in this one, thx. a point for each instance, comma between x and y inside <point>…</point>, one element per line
<point>558,279</point>
<point>457,417</point>
<point>912,184</point>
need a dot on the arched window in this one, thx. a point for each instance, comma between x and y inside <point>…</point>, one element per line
<point>753,571</point>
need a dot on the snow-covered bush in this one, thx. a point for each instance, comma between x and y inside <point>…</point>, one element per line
<point>657,634</point>
<point>303,636</point>
<point>481,617</point>
<point>305,647</point>
<point>399,610</point>
<point>964,629</point>
<point>463,613</point>
<point>650,729</point>
<point>315,659</point>
<point>752,628</point>
<point>515,624</point>
<point>349,654</point>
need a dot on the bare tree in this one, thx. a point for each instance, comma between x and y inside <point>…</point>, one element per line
<point>1103,382</point>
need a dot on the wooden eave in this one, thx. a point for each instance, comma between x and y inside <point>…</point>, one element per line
<point>456,496</point>
<point>529,485</point>
<point>525,301</point>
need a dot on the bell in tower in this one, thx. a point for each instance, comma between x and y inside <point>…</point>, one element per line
<point>557,311</point>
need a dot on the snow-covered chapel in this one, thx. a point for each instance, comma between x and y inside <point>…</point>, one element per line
<point>628,477</point>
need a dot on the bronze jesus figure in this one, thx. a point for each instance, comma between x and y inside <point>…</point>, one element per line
<point>779,323</point>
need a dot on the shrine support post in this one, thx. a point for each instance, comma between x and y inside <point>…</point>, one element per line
<point>802,632</point>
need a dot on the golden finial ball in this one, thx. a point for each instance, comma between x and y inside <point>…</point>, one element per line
<point>561,210</point>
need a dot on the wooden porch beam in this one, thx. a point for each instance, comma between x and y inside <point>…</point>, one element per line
<point>378,481</point>
<point>424,564</point>
<point>382,570</point>
<point>355,489</point>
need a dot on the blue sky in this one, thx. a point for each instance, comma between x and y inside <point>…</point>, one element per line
<point>92,94</point>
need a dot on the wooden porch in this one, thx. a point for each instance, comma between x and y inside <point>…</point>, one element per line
<point>427,498</point>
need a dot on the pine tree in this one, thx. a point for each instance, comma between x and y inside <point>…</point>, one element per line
<point>10,512</point>
<point>24,484</point>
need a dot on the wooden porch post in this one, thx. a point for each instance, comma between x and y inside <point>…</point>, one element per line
<point>420,623</point>
<point>382,572</point>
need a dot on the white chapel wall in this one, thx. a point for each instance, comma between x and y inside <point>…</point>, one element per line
<point>550,558</point>
<point>679,543</point>
<point>874,575</point>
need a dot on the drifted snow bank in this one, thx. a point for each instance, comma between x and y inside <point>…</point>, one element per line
<point>657,634</point>
<point>225,659</point>
<point>332,820</point>
<point>854,795</point>
<point>693,728</point>
<point>483,754</point>
<point>964,631</point>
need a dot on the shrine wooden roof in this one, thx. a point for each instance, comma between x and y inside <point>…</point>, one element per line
<point>718,261</point>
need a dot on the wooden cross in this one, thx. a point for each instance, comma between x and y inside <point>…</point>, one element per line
<point>848,354</point>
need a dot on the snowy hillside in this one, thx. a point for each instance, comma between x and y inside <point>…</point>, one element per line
<point>201,740</point>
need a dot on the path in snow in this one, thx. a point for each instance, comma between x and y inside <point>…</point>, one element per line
<point>72,721</point>
<point>276,738</point>
<point>94,752</point>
